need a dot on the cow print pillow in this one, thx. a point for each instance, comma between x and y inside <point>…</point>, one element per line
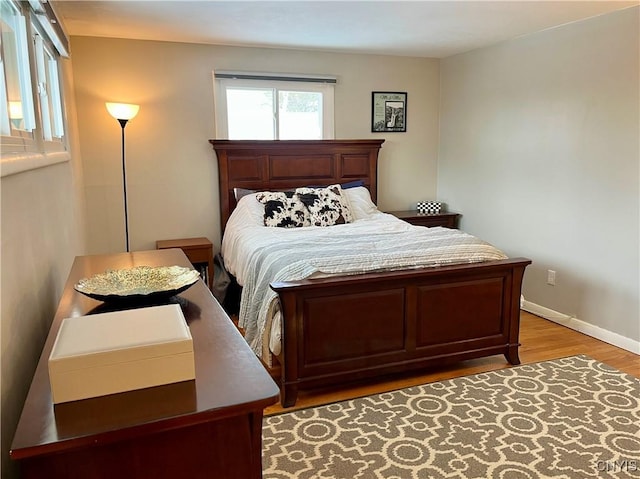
<point>327,206</point>
<point>283,209</point>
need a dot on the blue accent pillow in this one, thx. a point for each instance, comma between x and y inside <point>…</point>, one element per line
<point>352,184</point>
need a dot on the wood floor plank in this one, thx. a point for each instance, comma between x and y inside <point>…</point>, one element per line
<point>540,340</point>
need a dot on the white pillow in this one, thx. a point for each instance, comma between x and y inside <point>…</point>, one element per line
<point>248,212</point>
<point>360,202</point>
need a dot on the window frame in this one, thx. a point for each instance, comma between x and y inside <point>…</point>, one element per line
<point>275,83</point>
<point>47,80</point>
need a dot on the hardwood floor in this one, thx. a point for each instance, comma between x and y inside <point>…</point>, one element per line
<point>540,340</point>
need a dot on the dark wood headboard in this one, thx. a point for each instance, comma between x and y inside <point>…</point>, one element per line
<point>272,165</point>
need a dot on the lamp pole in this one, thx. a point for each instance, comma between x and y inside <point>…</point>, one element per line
<point>123,123</point>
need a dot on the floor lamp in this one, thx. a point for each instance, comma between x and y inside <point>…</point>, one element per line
<point>123,112</point>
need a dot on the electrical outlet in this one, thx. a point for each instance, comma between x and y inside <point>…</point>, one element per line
<point>551,277</point>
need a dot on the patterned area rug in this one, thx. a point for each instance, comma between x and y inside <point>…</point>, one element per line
<point>568,418</point>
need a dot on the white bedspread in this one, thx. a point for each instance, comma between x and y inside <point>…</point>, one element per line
<point>258,255</point>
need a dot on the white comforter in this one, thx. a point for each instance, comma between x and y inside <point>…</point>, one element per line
<point>257,255</point>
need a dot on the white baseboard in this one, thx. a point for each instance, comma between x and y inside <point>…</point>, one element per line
<point>582,326</point>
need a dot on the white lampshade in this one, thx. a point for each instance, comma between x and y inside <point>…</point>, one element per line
<point>15,110</point>
<point>122,111</point>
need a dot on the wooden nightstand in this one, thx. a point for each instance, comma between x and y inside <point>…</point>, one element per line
<point>445,218</point>
<point>198,250</point>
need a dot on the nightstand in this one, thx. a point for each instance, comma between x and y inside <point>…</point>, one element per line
<point>199,251</point>
<point>445,218</point>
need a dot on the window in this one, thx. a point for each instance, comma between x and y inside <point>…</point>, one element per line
<point>268,107</point>
<point>16,97</point>
<point>48,90</point>
<point>32,43</point>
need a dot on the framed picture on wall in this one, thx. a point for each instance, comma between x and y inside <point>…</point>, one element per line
<point>388,111</point>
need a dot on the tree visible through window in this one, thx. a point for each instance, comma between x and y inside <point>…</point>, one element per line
<point>300,115</point>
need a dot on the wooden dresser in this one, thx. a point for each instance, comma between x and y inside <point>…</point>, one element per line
<point>207,428</point>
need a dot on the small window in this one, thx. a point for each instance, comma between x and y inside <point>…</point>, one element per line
<point>16,97</point>
<point>48,90</point>
<point>273,109</point>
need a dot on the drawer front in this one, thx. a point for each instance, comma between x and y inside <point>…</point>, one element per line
<point>448,221</point>
<point>198,255</point>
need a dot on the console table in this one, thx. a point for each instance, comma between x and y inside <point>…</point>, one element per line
<point>209,427</point>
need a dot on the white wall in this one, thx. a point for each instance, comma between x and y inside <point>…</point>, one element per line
<point>171,167</point>
<point>539,150</point>
<point>42,232</point>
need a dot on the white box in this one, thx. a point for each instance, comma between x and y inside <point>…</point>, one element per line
<point>108,353</point>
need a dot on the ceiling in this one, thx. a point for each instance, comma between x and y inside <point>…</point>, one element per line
<point>434,29</point>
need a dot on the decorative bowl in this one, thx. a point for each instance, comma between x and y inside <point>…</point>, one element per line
<point>145,283</point>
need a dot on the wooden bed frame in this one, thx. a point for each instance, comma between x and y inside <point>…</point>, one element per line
<point>341,329</point>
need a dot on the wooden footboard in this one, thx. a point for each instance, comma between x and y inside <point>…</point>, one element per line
<point>346,328</point>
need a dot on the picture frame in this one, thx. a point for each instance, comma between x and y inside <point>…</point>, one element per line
<point>388,112</point>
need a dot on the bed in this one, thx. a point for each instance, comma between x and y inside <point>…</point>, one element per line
<point>343,328</point>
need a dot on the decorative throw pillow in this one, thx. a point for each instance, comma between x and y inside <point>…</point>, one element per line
<point>283,209</point>
<point>327,206</point>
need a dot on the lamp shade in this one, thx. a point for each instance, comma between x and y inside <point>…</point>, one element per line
<point>122,111</point>
<point>15,110</point>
